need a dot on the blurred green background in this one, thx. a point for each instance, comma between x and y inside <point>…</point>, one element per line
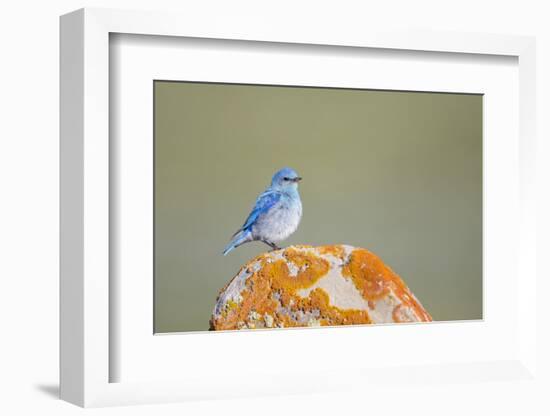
<point>399,173</point>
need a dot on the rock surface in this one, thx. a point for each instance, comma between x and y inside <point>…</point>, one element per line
<point>315,286</point>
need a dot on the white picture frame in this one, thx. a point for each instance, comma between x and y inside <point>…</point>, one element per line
<point>86,291</point>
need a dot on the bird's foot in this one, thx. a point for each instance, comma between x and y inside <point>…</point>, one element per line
<point>274,247</point>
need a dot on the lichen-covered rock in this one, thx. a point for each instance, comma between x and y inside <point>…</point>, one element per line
<point>315,286</point>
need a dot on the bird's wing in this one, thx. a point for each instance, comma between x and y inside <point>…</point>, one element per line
<point>263,204</point>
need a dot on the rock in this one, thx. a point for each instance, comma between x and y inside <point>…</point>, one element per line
<point>315,286</point>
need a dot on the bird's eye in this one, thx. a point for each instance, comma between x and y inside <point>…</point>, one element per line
<point>286,179</point>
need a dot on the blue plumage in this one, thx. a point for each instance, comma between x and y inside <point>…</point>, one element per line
<point>263,204</point>
<point>275,215</point>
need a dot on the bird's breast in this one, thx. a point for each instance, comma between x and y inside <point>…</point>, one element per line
<point>280,222</point>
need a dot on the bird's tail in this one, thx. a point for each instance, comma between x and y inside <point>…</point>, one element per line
<point>238,239</point>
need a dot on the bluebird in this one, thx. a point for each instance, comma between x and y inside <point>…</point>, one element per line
<point>276,213</point>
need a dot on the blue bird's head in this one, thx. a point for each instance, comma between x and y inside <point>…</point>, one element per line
<point>285,179</point>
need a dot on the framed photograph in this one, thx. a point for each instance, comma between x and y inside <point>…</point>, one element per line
<point>292,205</point>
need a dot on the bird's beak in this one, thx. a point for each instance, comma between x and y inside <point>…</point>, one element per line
<point>298,179</point>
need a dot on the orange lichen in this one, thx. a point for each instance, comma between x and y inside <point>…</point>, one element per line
<point>375,280</point>
<point>401,313</point>
<point>269,294</point>
<point>274,277</point>
<point>331,315</point>
<point>337,251</point>
<point>310,268</point>
<point>369,275</point>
